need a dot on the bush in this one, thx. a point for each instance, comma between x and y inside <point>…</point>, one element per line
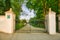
<point>20,24</point>
<point>37,23</point>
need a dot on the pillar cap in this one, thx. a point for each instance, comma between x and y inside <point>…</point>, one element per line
<point>9,11</point>
<point>49,9</point>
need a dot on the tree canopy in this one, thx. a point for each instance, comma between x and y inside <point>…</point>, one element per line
<point>41,6</point>
<point>14,4</point>
<point>7,4</point>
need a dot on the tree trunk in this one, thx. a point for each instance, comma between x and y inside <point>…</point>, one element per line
<point>44,6</point>
<point>59,6</point>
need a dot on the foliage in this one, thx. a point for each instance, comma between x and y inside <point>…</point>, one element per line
<point>7,4</point>
<point>4,5</point>
<point>37,23</point>
<point>59,6</point>
<point>41,8</point>
<point>37,5</point>
<point>15,5</point>
<point>53,4</point>
<point>21,24</point>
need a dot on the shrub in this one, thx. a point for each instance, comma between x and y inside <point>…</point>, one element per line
<point>20,24</point>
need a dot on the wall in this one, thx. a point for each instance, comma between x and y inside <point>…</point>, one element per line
<point>7,22</point>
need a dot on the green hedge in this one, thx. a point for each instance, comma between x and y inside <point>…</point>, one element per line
<point>20,24</point>
<point>37,23</point>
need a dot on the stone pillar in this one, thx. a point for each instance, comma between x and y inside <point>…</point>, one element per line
<point>10,19</point>
<point>51,22</point>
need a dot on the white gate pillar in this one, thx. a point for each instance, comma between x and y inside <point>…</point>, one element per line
<point>51,22</point>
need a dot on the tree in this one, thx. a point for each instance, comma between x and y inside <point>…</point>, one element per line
<point>41,6</point>
<point>16,6</point>
<point>5,5</point>
<point>59,6</point>
<point>2,7</point>
<point>53,4</point>
<point>37,5</point>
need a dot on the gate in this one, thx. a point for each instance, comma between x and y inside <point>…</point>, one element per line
<point>37,24</point>
<point>33,26</point>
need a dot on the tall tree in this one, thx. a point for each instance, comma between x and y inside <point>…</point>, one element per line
<point>59,6</point>
<point>41,6</point>
<point>38,6</point>
<point>2,6</point>
<point>53,4</point>
<point>16,6</point>
<point>7,5</point>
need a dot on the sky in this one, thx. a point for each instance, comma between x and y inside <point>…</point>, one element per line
<point>26,14</point>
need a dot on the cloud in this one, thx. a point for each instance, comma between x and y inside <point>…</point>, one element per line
<point>26,14</point>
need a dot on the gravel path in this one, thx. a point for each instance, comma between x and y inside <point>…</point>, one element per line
<point>32,35</point>
<point>28,28</point>
<point>29,36</point>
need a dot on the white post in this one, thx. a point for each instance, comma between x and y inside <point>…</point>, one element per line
<point>51,22</point>
<point>10,19</point>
